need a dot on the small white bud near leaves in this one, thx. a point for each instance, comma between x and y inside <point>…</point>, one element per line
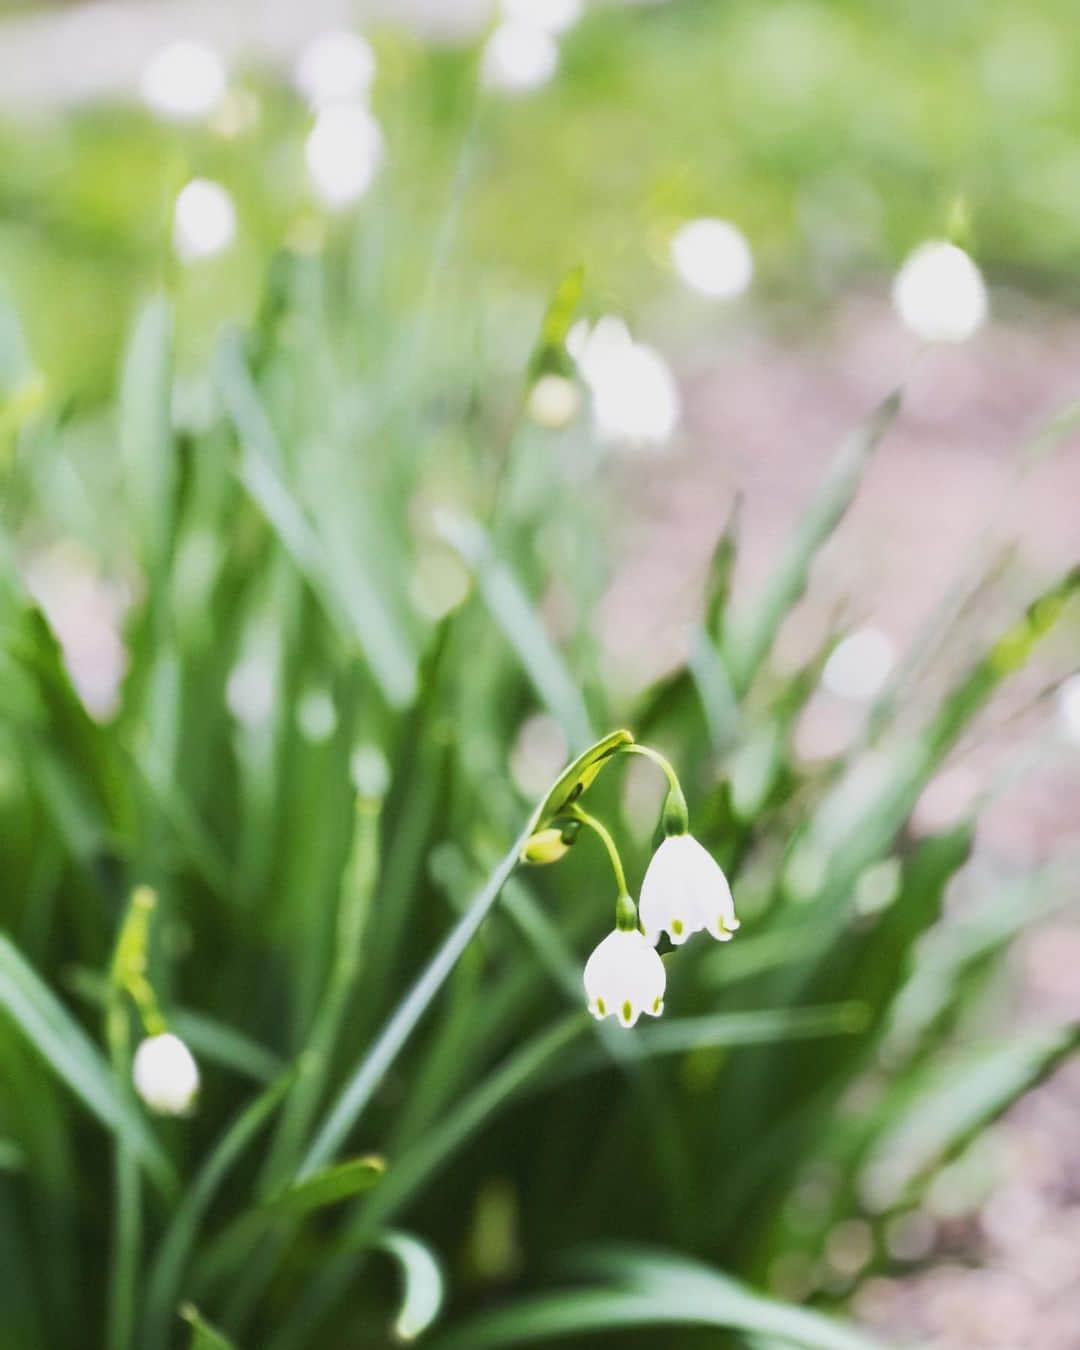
<point>165,1074</point>
<point>685,892</point>
<point>624,977</point>
<point>553,402</point>
<point>940,294</point>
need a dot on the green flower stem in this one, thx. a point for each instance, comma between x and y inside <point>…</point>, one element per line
<point>613,853</point>
<point>676,815</point>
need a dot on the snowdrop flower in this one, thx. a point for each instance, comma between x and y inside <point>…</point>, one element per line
<point>713,257</point>
<point>184,81</point>
<point>335,67</point>
<point>624,977</point>
<point>344,152</point>
<point>204,220</point>
<point>553,16</point>
<point>1069,706</point>
<point>685,891</point>
<point>635,400</point>
<point>940,294</point>
<point>165,1074</point>
<point>519,57</point>
<point>859,666</point>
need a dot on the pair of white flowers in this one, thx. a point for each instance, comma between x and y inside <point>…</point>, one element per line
<point>684,892</point>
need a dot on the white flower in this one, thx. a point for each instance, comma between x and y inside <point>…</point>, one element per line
<point>940,293</point>
<point>713,257</point>
<point>635,400</point>
<point>624,977</point>
<point>859,666</point>
<point>165,1074</point>
<point>204,220</point>
<point>344,151</point>
<point>335,67</point>
<point>184,81</point>
<point>553,16</point>
<point>685,891</point>
<point>519,57</point>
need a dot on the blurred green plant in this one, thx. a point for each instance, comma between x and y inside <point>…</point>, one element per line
<point>310,769</point>
<point>836,134</point>
<point>336,537</point>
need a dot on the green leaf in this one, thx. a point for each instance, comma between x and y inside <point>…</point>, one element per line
<point>573,782</point>
<point>523,628</point>
<point>930,1119</point>
<point>368,1073</point>
<point>146,440</point>
<point>550,354</point>
<point>354,604</point>
<point>751,631</point>
<point>659,1290</point>
<point>331,1185</point>
<point>203,1335</point>
<point>75,1059</point>
<point>167,1269</point>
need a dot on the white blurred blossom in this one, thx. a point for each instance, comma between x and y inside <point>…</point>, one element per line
<point>1069,705</point>
<point>184,81</point>
<point>251,686</point>
<point>713,257</point>
<point>86,613</point>
<point>165,1074</point>
<point>553,401</point>
<point>519,57</point>
<point>940,294</point>
<point>204,220</point>
<point>553,16</point>
<point>344,151</point>
<point>858,666</point>
<point>335,67</point>
<point>635,400</point>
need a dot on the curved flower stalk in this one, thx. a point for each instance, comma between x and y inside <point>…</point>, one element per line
<point>163,1070</point>
<point>684,890</point>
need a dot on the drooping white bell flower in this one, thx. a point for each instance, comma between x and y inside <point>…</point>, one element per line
<point>940,294</point>
<point>684,892</point>
<point>624,977</point>
<point>165,1074</point>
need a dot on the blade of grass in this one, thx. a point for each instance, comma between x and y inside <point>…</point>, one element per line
<point>166,1270</point>
<point>75,1059</point>
<point>752,630</point>
<point>368,1074</point>
<point>522,627</point>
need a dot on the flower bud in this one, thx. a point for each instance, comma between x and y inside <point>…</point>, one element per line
<point>548,846</point>
<point>165,1074</point>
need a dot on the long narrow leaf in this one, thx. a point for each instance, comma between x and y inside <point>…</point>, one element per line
<point>75,1059</point>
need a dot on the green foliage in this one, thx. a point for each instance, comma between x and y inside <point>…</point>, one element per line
<point>342,932</point>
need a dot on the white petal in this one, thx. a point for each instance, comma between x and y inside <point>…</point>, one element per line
<point>710,889</point>
<point>668,897</point>
<point>624,977</point>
